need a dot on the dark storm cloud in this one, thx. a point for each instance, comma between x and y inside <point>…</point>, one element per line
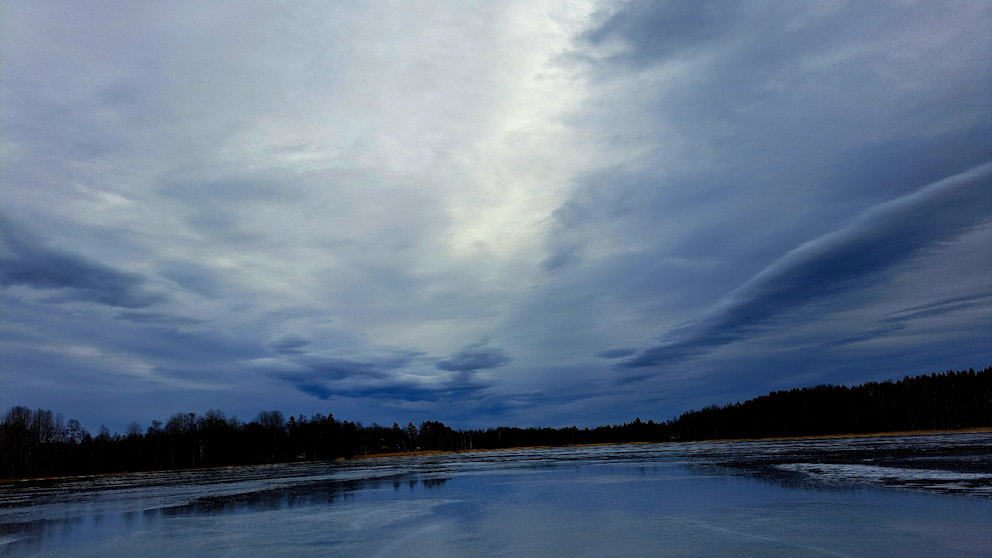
<point>847,259</point>
<point>477,356</point>
<point>27,261</point>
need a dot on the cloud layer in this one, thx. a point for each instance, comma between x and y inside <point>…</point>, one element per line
<point>522,213</point>
<point>851,258</point>
<point>24,261</point>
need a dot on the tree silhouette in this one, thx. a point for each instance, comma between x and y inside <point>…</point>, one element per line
<point>40,443</point>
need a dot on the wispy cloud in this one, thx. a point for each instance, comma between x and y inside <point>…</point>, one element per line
<point>229,214</point>
<point>326,377</point>
<point>847,259</point>
<point>938,308</point>
<point>157,318</point>
<point>288,344</point>
<point>25,260</point>
<point>652,31</point>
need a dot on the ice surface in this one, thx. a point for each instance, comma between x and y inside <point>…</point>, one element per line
<point>871,496</point>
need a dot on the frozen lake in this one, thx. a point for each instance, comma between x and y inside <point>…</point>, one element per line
<point>895,496</point>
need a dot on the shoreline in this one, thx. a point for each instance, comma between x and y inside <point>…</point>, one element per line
<point>5,482</point>
<point>715,440</point>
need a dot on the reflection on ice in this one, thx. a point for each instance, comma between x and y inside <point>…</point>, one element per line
<point>897,496</point>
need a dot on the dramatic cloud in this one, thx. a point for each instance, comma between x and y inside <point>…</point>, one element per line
<point>26,261</point>
<point>326,377</point>
<point>639,206</point>
<point>846,259</point>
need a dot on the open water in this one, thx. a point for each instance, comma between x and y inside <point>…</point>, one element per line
<point>893,496</point>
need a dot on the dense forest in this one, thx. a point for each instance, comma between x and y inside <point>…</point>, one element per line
<point>41,444</point>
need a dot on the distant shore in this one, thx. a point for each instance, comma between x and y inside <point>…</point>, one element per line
<point>4,482</point>
<point>720,440</point>
<point>40,444</point>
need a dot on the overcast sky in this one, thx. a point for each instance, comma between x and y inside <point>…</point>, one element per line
<point>517,213</point>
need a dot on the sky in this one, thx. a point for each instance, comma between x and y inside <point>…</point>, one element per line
<point>533,213</point>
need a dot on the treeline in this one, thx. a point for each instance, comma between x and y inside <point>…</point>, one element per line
<point>948,401</point>
<point>41,444</point>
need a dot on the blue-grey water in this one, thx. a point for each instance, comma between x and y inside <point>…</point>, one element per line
<point>893,496</point>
